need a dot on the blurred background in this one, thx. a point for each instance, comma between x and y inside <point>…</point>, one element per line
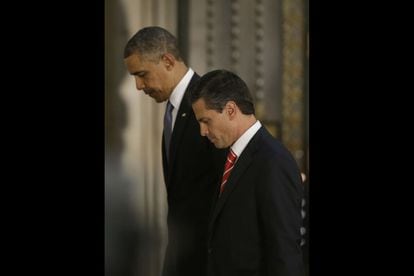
<point>263,41</point>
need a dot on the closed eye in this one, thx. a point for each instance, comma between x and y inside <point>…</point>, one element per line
<point>204,121</point>
<point>141,74</point>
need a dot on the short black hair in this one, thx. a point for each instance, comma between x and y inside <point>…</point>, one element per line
<point>151,43</point>
<point>218,87</point>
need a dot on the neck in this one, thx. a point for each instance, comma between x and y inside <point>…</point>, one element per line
<point>246,121</point>
<point>181,70</point>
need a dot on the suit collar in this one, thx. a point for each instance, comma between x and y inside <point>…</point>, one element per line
<point>245,138</point>
<point>179,91</point>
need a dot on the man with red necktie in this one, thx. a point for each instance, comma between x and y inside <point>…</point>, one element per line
<point>254,226</point>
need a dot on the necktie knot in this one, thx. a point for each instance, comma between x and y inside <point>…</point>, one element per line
<point>231,156</point>
<point>169,107</point>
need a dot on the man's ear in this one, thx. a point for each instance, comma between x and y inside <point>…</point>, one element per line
<point>168,60</point>
<point>231,109</point>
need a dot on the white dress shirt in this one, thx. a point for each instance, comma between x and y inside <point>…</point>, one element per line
<point>178,93</point>
<point>241,143</point>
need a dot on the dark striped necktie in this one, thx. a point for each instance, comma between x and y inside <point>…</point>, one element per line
<point>168,128</point>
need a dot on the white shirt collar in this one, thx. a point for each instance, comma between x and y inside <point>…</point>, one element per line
<point>241,143</point>
<point>178,93</point>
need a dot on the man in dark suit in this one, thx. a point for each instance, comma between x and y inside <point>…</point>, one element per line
<point>254,227</point>
<point>190,162</point>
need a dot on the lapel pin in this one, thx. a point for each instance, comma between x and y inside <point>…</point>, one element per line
<point>183,115</point>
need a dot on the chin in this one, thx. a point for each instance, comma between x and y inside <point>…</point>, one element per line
<point>219,146</point>
<point>159,100</point>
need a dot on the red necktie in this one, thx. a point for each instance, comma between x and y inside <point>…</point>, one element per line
<point>231,159</point>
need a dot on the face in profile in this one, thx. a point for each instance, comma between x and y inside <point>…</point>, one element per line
<point>151,77</point>
<point>213,124</point>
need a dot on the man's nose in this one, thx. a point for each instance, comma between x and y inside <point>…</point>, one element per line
<point>139,83</point>
<point>203,130</point>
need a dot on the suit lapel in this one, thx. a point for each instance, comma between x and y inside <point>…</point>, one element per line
<point>239,168</point>
<point>183,115</point>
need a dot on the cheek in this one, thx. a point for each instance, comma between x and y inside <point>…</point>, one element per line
<point>218,131</point>
<point>149,82</point>
<point>224,134</point>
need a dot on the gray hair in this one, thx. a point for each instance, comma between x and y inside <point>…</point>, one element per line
<point>151,43</point>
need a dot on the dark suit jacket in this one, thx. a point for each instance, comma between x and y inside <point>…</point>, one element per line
<point>193,170</point>
<point>254,227</point>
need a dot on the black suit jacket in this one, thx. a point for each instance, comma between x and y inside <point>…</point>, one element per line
<point>254,227</point>
<point>191,175</point>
